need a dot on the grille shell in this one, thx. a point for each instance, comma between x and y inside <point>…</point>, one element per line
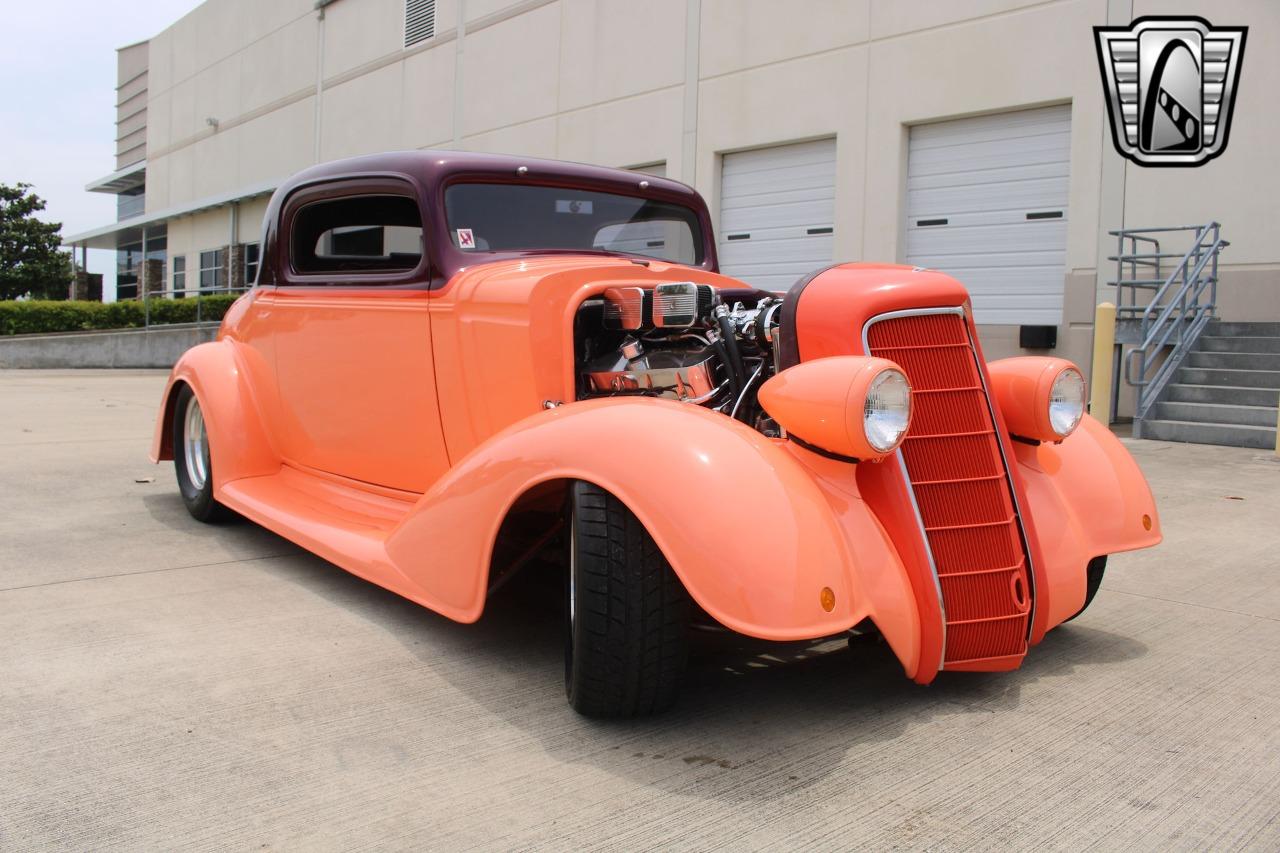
<point>956,471</point>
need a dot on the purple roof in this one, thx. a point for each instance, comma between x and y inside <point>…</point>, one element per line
<point>431,170</point>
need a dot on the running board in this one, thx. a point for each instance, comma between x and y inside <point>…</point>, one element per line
<point>345,525</point>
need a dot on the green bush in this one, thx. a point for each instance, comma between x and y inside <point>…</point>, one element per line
<point>35,317</point>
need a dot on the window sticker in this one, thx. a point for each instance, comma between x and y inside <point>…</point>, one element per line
<point>565,205</point>
<point>466,240</point>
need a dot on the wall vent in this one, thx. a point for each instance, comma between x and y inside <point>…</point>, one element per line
<point>419,21</point>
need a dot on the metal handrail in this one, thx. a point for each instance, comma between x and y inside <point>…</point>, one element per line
<point>1134,259</point>
<point>1176,314</point>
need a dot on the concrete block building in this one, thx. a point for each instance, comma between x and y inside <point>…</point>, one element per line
<point>969,137</point>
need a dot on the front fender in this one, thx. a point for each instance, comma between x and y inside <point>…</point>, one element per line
<point>238,444</point>
<point>752,532</point>
<point>1089,499</point>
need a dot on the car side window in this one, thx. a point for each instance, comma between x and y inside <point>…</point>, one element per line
<point>376,233</point>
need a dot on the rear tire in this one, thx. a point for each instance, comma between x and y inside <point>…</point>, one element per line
<point>1093,582</point>
<point>627,612</point>
<point>191,459</point>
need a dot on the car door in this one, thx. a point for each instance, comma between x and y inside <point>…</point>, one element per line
<point>351,335</point>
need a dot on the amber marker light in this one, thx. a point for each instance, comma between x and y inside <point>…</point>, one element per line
<point>828,599</point>
<point>1146,522</point>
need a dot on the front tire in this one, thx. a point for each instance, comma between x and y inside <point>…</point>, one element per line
<point>628,613</point>
<point>1093,582</point>
<point>191,459</point>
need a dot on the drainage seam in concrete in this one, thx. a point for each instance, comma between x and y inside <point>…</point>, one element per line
<point>1201,606</point>
<point>148,572</point>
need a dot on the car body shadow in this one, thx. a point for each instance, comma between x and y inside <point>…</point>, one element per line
<point>752,716</point>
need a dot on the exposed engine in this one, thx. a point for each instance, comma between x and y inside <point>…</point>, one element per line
<point>683,341</point>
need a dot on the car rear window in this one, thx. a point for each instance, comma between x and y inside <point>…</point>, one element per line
<point>359,233</point>
<point>523,217</point>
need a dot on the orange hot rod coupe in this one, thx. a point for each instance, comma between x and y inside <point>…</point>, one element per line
<point>453,362</point>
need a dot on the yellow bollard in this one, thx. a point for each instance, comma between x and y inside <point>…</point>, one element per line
<point>1104,356</point>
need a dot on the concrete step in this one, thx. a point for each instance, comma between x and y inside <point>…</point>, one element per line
<point>1241,378</point>
<point>1240,343</point>
<point>1235,360</point>
<point>1231,435</point>
<point>1222,413</point>
<point>1260,330</point>
<point>1223,394</point>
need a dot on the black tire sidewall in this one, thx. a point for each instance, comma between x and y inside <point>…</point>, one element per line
<point>569,603</point>
<point>572,584</point>
<point>1094,573</point>
<point>615,634</point>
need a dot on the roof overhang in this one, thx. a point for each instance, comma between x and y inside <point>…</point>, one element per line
<point>129,178</point>
<point>130,230</point>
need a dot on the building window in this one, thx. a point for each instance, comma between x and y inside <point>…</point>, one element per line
<point>179,276</point>
<point>419,21</point>
<point>252,252</point>
<point>128,267</point>
<point>130,204</point>
<point>213,270</point>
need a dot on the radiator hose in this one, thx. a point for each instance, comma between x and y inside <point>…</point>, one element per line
<point>730,338</point>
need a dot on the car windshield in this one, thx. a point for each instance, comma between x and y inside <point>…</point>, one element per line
<point>522,217</point>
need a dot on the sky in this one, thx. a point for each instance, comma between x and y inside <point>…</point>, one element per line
<point>57,101</point>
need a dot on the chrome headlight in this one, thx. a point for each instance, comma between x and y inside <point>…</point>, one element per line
<point>1066,402</point>
<point>886,412</point>
<point>1042,399</point>
<point>852,406</point>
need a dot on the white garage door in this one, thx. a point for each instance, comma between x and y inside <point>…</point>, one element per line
<point>987,203</point>
<point>777,212</point>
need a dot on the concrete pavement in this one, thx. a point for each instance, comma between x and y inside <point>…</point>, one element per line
<point>169,685</point>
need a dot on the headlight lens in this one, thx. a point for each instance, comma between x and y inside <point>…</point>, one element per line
<point>1066,402</point>
<point>887,410</point>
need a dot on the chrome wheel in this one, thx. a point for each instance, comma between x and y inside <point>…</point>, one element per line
<point>195,444</point>
<point>190,442</point>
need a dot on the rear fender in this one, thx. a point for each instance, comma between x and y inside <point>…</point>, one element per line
<point>238,444</point>
<point>753,532</point>
<point>1089,499</point>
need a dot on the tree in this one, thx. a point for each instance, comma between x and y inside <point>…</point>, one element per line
<point>29,255</point>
